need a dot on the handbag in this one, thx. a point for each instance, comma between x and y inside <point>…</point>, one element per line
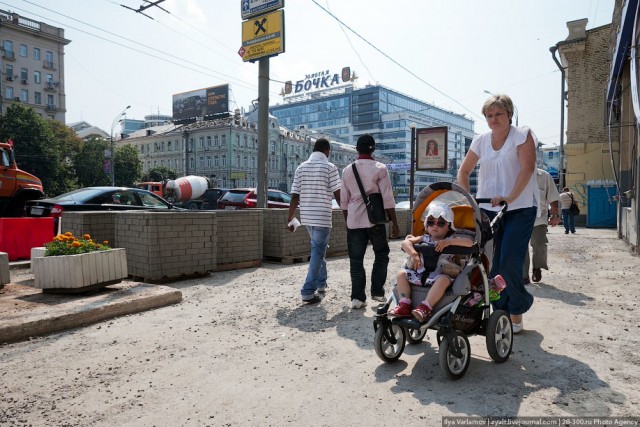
<point>574,209</point>
<point>373,202</point>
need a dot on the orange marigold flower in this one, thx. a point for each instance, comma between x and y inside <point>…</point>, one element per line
<point>105,242</point>
<point>68,234</point>
<point>76,244</point>
<point>86,236</point>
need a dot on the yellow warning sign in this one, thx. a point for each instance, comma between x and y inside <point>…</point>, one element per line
<point>262,36</point>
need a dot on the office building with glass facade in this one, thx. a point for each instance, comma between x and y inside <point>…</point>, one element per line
<point>347,112</point>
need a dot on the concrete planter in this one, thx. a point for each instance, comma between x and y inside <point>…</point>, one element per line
<point>77,273</point>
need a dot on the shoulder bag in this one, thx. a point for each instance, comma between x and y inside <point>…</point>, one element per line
<point>574,209</point>
<point>373,202</point>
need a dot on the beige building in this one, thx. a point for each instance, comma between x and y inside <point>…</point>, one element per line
<point>32,65</point>
<point>584,55</point>
<point>227,149</point>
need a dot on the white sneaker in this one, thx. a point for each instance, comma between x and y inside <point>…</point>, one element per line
<point>379,298</point>
<point>517,327</point>
<point>356,303</point>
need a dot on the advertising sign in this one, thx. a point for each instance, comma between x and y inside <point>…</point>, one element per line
<point>211,102</point>
<point>318,81</point>
<point>251,8</point>
<point>431,148</point>
<point>262,36</point>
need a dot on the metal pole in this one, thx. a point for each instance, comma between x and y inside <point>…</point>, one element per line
<point>561,177</point>
<point>263,130</point>
<point>412,167</point>
<point>113,145</point>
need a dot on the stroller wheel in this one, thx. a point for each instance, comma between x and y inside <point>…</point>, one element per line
<point>499,336</point>
<point>455,354</point>
<point>385,349</point>
<point>415,336</point>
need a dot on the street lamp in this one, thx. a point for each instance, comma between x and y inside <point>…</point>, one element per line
<point>113,148</point>
<point>514,106</point>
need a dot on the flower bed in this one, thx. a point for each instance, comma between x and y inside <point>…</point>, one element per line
<point>78,265</point>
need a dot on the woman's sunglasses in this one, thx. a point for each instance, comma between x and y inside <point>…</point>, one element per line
<point>439,223</point>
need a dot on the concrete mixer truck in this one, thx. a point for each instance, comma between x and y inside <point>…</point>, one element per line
<point>190,192</point>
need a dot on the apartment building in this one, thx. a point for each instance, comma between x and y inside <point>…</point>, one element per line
<point>32,65</point>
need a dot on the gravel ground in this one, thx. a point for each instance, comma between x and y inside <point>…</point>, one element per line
<point>242,350</point>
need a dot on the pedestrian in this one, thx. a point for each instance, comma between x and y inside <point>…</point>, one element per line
<point>375,179</point>
<point>315,183</point>
<point>568,220</point>
<point>548,197</point>
<point>507,159</point>
<point>438,229</point>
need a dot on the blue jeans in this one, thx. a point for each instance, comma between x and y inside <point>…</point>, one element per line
<point>317,274</point>
<point>568,221</point>
<point>510,242</point>
<point>357,240</point>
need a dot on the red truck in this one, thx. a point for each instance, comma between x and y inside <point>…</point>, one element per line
<point>16,186</point>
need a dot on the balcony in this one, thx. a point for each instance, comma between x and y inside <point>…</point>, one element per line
<point>50,107</point>
<point>9,55</point>
<point>9,78</point>
<point>48,65</point>
<point>50,87</point>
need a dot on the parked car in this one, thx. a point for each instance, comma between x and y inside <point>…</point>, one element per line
<point>243,198</point>
<point>209,200</point>
<point>403,205</point>
<point>96,199</point>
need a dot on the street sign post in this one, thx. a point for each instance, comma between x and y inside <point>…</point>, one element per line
<point>263,36</point>
<point>251,8</point>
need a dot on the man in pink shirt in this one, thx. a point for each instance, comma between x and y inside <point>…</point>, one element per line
<point>375,179</point>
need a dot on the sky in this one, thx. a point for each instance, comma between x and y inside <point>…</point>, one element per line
<point>443,52</point>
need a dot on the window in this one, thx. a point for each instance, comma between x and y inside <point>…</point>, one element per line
<point>208,140</point>
<point>223,159</point>
<point>37,98</point>
<point>201,162</point>
<point>201,142</point>
<point>48,59</point>
<point>8,48</point>
<point>215,140</point>
<point>8,71</point>
<point>49,100</point>
<point>36,77</point>
<point>36,53</point>
<point>169,148</point>
<point>49,78</point>
<point>245,161</point>
<point>8,90</point>
<point>216,161</point>
<point>224,140</point>
<point>24,74</point>
<point>209,162</point>
<point>23,50</point>
<point>192,163</point>
<point>24,95</point>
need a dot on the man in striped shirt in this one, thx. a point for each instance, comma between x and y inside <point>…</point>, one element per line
<point>315,183</point>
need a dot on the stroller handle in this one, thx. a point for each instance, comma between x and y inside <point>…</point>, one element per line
<point>503,208</point>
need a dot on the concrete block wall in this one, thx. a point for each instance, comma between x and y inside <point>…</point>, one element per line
<point>239,236</point>
<point>279,242</point>
<point>5,275</point>
<point>405,222</point>
<point>100,226</point>
<point>167,244</point>
<point>338,237</point>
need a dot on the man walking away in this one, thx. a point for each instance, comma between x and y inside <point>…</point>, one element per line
<point>375,179</point>
<point>315,183</point>
<point>548,196</point>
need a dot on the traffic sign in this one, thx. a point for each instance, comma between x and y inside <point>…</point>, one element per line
<point>251,8</point>
<point>263,36</point>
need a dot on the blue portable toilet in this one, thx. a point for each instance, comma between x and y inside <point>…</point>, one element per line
<point>602,207</point>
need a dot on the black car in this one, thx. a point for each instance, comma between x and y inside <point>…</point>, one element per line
<point>210,197</point>
<point>97,199</point>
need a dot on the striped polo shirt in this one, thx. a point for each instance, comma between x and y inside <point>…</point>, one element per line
<point>315,181</point>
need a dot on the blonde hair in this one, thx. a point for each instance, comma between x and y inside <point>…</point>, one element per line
<point>500,101</point>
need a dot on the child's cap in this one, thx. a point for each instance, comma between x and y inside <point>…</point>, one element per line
<point>438,210</point>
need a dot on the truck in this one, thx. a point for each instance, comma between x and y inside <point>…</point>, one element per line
<point>16,185</point>
<point>190,192</point>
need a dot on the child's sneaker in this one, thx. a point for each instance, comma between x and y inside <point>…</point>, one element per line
<point>497,283</point>
<point>421,313</point>
<point>403,309</point>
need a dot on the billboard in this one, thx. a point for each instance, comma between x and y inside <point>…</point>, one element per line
<point>431,148</point>
<point>209,103</point>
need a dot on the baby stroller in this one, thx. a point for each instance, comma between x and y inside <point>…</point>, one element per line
<point>452,319</point>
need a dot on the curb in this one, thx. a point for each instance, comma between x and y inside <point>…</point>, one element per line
<point>76,312</point>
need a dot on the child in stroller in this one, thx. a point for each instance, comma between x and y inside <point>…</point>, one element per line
<point>439,229</point>
<point>458,313</point>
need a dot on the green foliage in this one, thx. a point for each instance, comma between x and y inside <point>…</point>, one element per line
<point>89,163</point>
<point>44,148</point>
<point>158,174</point>
<point>128,168</point>
<point>67,244</point>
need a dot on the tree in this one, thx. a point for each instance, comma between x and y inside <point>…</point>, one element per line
<point>89,163</point>
<point>68,146</point>
<point>159,173</point>
<point>128,168</point>
<point>36,150</point>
